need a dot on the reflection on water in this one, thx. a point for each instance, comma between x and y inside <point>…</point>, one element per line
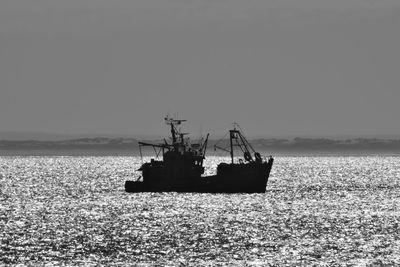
<point>317,210</point>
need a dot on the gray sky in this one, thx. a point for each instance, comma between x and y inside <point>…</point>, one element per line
<point>278,67</point>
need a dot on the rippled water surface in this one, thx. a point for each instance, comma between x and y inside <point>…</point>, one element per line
<point>341,211</point>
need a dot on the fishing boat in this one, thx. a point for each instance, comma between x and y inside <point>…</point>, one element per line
<point>181,167</point>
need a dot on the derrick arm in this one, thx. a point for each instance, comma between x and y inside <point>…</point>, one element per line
<point>154,145</point>
<point>205,145</point>
<point>245,144</point>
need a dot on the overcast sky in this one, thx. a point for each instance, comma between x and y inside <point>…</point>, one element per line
<point>278,67</point>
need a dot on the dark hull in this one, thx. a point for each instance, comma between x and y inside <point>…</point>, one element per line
<point>230,178</point>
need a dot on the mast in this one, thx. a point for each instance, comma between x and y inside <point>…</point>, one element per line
<point>173,134</point>
<point>231,136</point>
<point>236,138</point>
<point>174,131</point>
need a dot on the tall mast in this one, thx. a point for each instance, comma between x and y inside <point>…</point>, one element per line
<point>236,138</point>
<point>173,134</point>
<point>231,136</point>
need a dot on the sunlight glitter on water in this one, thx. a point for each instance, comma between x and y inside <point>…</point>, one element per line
<point>317,210</point>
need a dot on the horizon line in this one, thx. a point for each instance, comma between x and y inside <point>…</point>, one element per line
<point>55,137</point>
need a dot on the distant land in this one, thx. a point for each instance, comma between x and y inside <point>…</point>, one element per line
<point>37,136</point>
<point>129,146</point>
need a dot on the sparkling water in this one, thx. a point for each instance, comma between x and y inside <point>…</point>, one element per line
<point>317,211</point>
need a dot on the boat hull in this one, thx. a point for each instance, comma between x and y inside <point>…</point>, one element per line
<point>230,178</point>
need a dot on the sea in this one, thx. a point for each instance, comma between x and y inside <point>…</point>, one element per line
<point>317,211</point>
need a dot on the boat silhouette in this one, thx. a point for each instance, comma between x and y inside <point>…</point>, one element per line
<point>181,167</point>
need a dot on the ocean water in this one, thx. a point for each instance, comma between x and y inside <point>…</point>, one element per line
<point>322,211</point>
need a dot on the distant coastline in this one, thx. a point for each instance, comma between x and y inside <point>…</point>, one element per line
<point>129,146</point>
